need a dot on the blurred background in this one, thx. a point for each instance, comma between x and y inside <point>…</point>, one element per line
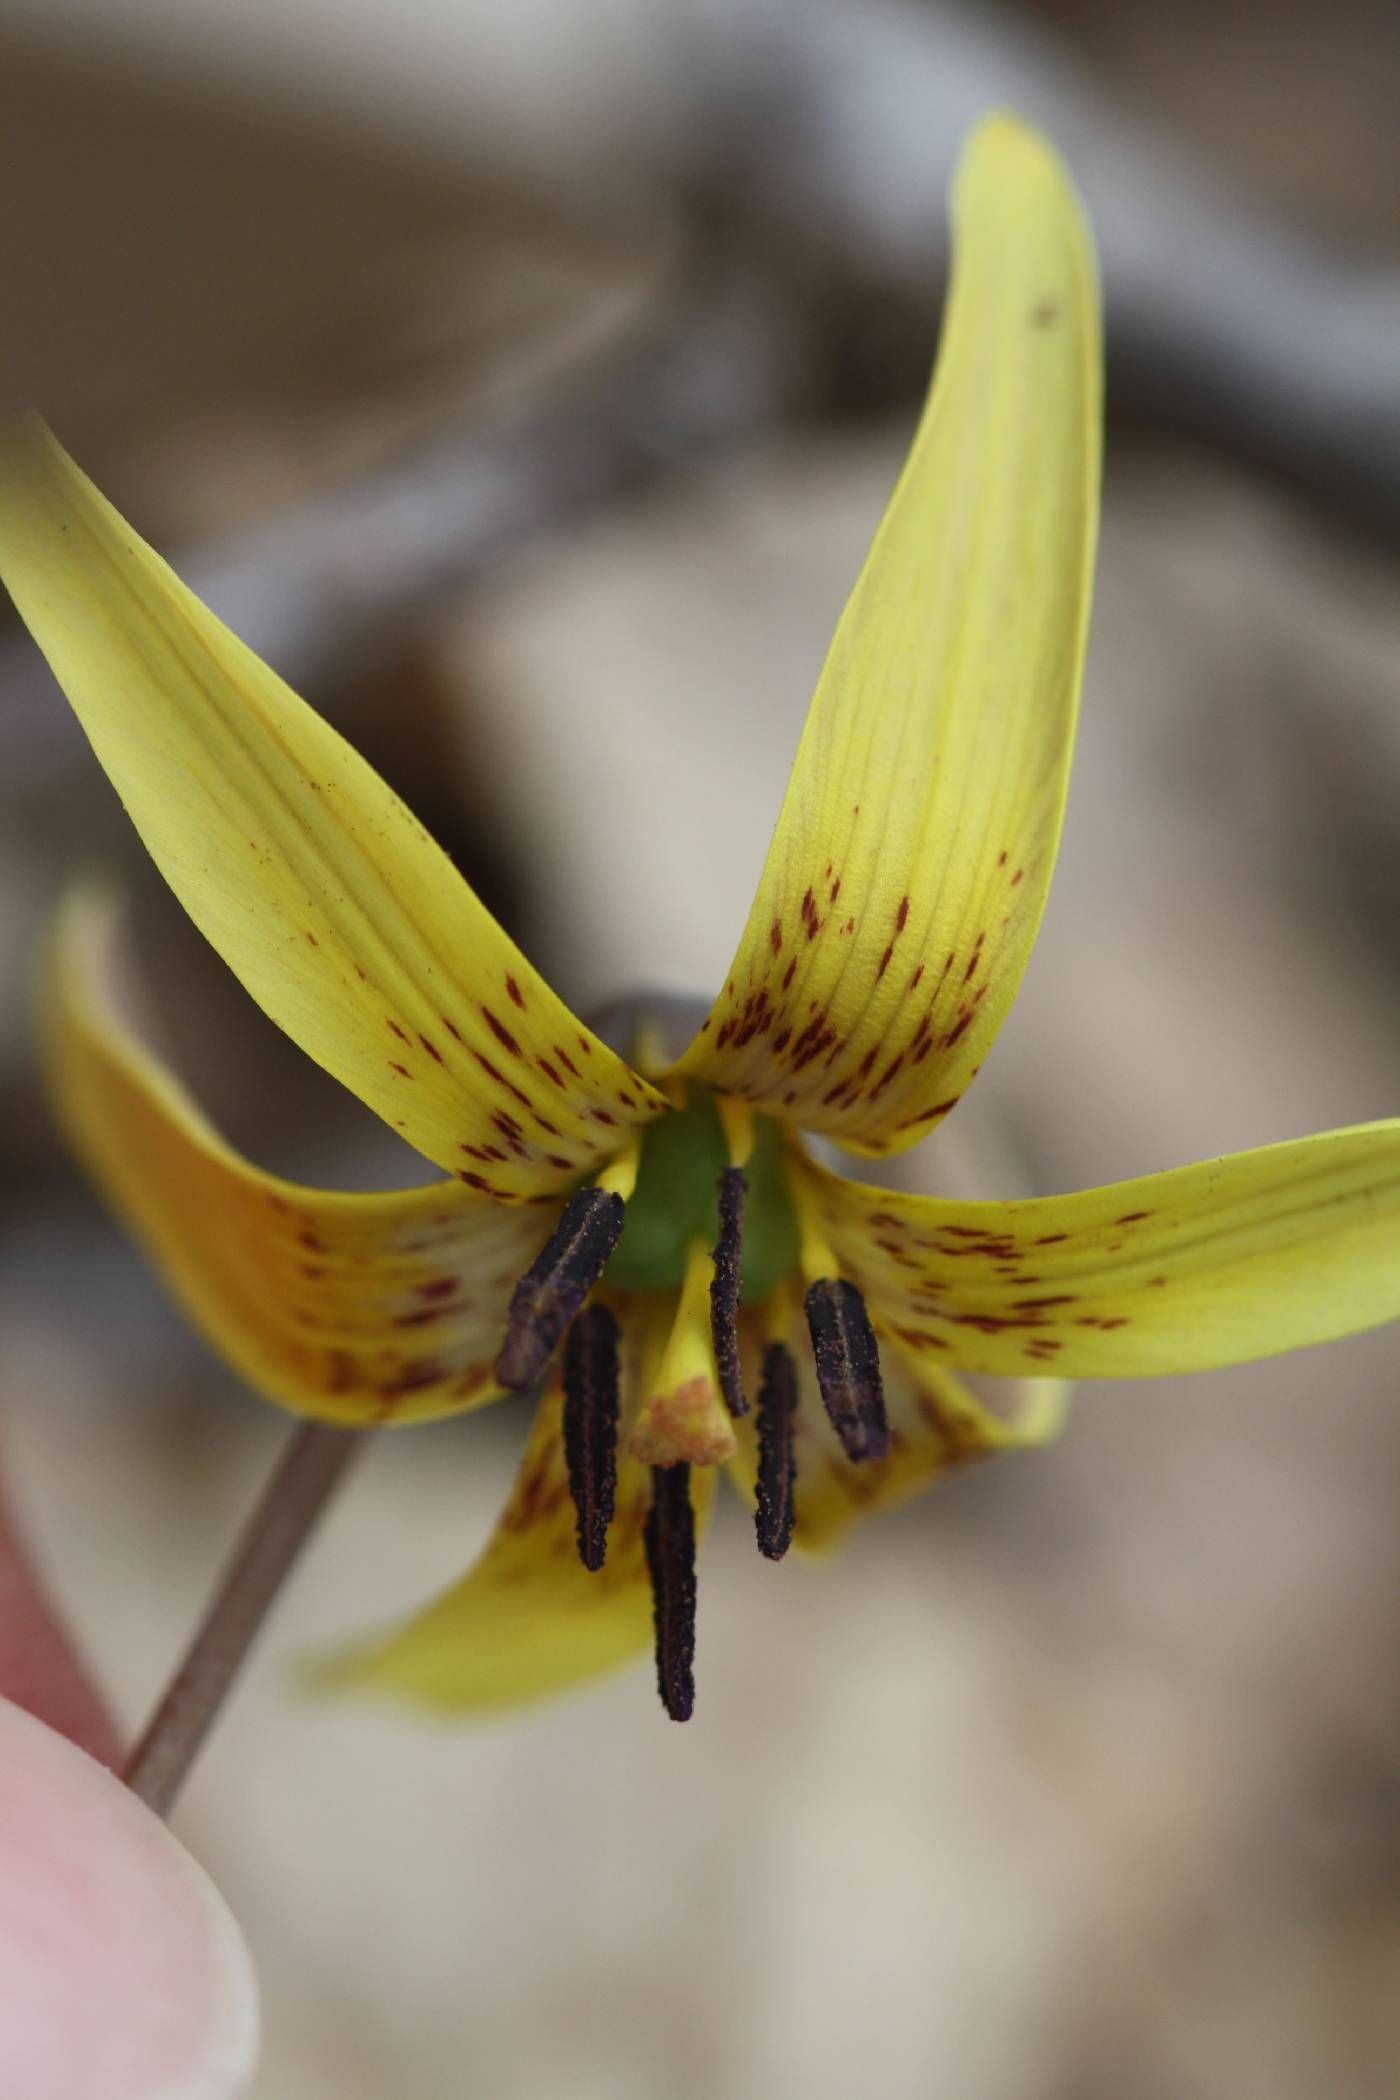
<point>526,383</point>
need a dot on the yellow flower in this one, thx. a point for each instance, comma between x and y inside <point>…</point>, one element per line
<point>663,1229</point>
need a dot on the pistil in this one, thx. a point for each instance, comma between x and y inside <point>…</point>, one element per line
<point>724,1290</point>
<point>682,1420</point>
<point>848,1367</point>
<point>670,1548</point>
<point>777,1463</point>
<point>556,1284</point>
<point>590,1427</point>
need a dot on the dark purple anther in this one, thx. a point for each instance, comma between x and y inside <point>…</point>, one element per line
<point>848,1368</point>
<point>590,1427</point>
<point>724,1290</point>
<point>777,1461</point>
<point>556,1284</point>
<point>670,1544</point>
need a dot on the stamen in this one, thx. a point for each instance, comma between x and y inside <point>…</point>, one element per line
<point>848,1367</point>
<point>670,1544</point>
<point>556,1284</point>
<point>736,1119</point>
<point>724,1290</point>
<point>777,1461</point>
<point>590,1427</point>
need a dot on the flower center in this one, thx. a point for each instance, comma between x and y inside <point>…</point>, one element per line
<point>676,1202</point>
<point>690,1223</point>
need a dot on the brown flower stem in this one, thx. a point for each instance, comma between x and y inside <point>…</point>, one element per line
<point>313,1461</point>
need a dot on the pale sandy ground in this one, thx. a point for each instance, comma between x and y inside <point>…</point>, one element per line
<point>1080,1779</point>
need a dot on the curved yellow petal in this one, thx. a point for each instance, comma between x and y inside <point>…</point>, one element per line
<point>529,1618</point>
<point>937,1426</point>
<point>355,1309</point>
<point>910,866</point>
<point>1219,1263</point>
<point>321,891</point>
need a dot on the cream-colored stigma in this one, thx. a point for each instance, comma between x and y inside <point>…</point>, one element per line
<point>683,1420</point>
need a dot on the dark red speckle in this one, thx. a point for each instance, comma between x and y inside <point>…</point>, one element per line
<point>502,1033</point>
<point>517,997</point>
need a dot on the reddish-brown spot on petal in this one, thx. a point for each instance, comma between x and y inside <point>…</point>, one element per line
<point>502,1033</point>
<point>1051,1239</point>
<point>789,973</point>
<point>500,1078</point>
<point>549,1072</point>
<point>517,997</point>
<point>312,938</point>
<point>431,1048</point>
<point>603,1115</point>
<point>436,1287</point>
<point>401,1033</point>
<point>1017,877</point>
<point>1131,1217</point>
<point>775,936</point>
<point>887,1075</point>
<point>402,1070</point>
<point>885,960</point>
<point>901,915</point>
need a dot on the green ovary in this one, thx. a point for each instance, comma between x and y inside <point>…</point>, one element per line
<point>676,1202</point>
